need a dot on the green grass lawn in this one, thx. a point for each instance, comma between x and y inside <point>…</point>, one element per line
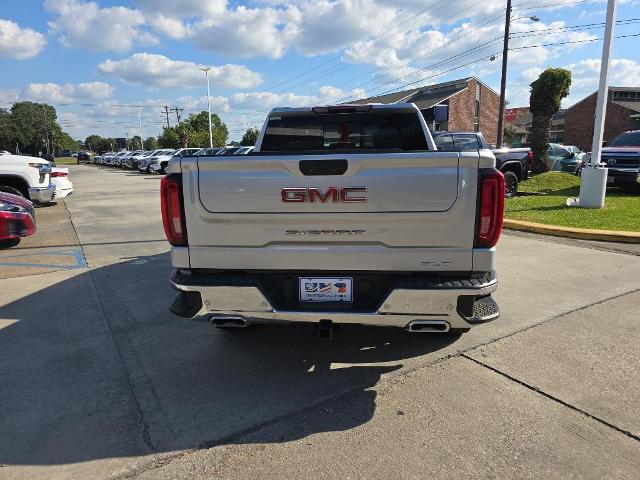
<point>621,210</point>
<point>66,161</point>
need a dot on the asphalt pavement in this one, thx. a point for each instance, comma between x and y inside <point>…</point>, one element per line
<point>99,380</point>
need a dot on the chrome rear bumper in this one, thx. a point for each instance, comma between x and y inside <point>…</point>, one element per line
<point>460,304</point>
<point>42,194</point>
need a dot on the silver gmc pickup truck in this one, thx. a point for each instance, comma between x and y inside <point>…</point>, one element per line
<point>342,214</point>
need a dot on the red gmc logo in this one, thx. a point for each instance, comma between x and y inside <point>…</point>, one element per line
<point>332,194</point>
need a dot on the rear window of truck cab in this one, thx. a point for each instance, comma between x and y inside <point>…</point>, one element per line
<point>344,132</point>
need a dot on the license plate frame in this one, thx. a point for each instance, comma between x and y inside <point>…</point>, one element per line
<point>325,289</point>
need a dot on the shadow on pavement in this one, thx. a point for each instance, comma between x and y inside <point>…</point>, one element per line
<point>96,367</point>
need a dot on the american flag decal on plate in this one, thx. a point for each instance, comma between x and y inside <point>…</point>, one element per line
<point>319,289</point>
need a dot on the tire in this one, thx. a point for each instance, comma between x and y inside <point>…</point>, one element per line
<point>510,184</point>
<point>6,189</point>
<point>11,242</point>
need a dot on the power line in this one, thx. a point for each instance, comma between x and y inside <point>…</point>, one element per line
<point>412,17</point>
<point>587,26</point>
<point>571,42</point>
<point>492,19</point>
<point>541,6</point>
<point>440,63</point>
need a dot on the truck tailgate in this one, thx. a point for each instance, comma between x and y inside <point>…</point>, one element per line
<point>404,182</point>
<point>419,214</point>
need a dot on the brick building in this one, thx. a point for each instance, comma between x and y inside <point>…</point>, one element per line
<point>623,107</point>
<point>465,104</point>
<point>524,120</point>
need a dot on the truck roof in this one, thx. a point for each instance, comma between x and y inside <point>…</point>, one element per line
<point>347,108</point>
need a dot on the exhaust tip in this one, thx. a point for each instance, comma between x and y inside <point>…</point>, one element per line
<point>428,326</point>
<point>229,322</point>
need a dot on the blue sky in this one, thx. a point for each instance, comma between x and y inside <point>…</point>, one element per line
<point>96,60</point>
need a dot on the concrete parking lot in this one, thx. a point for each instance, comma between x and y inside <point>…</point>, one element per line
<point>99,380</point>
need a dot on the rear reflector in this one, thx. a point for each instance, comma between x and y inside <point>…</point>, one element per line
<point>173,210</point>
<point>491,208</point>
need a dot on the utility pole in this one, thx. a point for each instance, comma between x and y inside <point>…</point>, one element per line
<point>503,80</point>
<point>206,74</point>
<point>177,110</point>
<point>166,112</point>
<point>593,180</point>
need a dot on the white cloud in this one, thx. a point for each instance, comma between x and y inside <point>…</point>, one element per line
<point>160,71</point>
<point>185,8</point>
<point>247,32</point>
<point>585,74</point>
<point>66,93</point>
<point>326,26</point>
<point>19,43</point>
<point>85,25</point>
<point>168,26</point>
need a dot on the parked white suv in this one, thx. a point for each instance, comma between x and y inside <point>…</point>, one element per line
<point>29,177</point>
<point>159,163</point>
<point>144,165</point>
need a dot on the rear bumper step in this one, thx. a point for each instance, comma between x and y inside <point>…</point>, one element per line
<point>414,305</point>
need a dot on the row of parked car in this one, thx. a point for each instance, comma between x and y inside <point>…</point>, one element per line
<point>155,161</point>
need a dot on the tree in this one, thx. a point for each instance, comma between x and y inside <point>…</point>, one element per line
<point>96,143</point>
<point>547,93</point>
<point>35,126</point>
<point>32,128</point>
<point>92,142</point>
<point>196,128</point>
<point>64,142</point>
<point>510,134</point>
<point>136,143</point>
<point>250,137</point>
<point>151,143</point>
<point>8,135</point>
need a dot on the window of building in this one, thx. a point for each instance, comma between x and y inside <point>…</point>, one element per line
<point>625,96</point>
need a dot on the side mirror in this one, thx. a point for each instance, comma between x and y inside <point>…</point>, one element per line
<point>573,155</point>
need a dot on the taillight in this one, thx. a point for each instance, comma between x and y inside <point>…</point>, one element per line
<point>58,174</point>
<point>490,209</point>
<point>173,210</point>
<point>530,157</point>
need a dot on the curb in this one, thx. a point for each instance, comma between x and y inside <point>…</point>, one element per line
<point>571,232</point>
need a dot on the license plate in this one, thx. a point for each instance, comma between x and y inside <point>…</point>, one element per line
<point>325,289</point>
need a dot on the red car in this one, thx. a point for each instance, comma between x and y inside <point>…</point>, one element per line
<point>17,219</point>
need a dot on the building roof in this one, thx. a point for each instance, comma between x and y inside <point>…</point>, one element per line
<point>388,98</point>
<point>427,96</point>
<point>611,89</point>
<point>635,106</point>
<point>624,89</point>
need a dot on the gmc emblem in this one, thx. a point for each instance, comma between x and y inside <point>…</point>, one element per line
<point>332,194</point>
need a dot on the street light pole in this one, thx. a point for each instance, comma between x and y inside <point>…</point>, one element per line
<point>206,73</point>
<point>503,80</point>
<point>140,126</point>
<point>593,179</point>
